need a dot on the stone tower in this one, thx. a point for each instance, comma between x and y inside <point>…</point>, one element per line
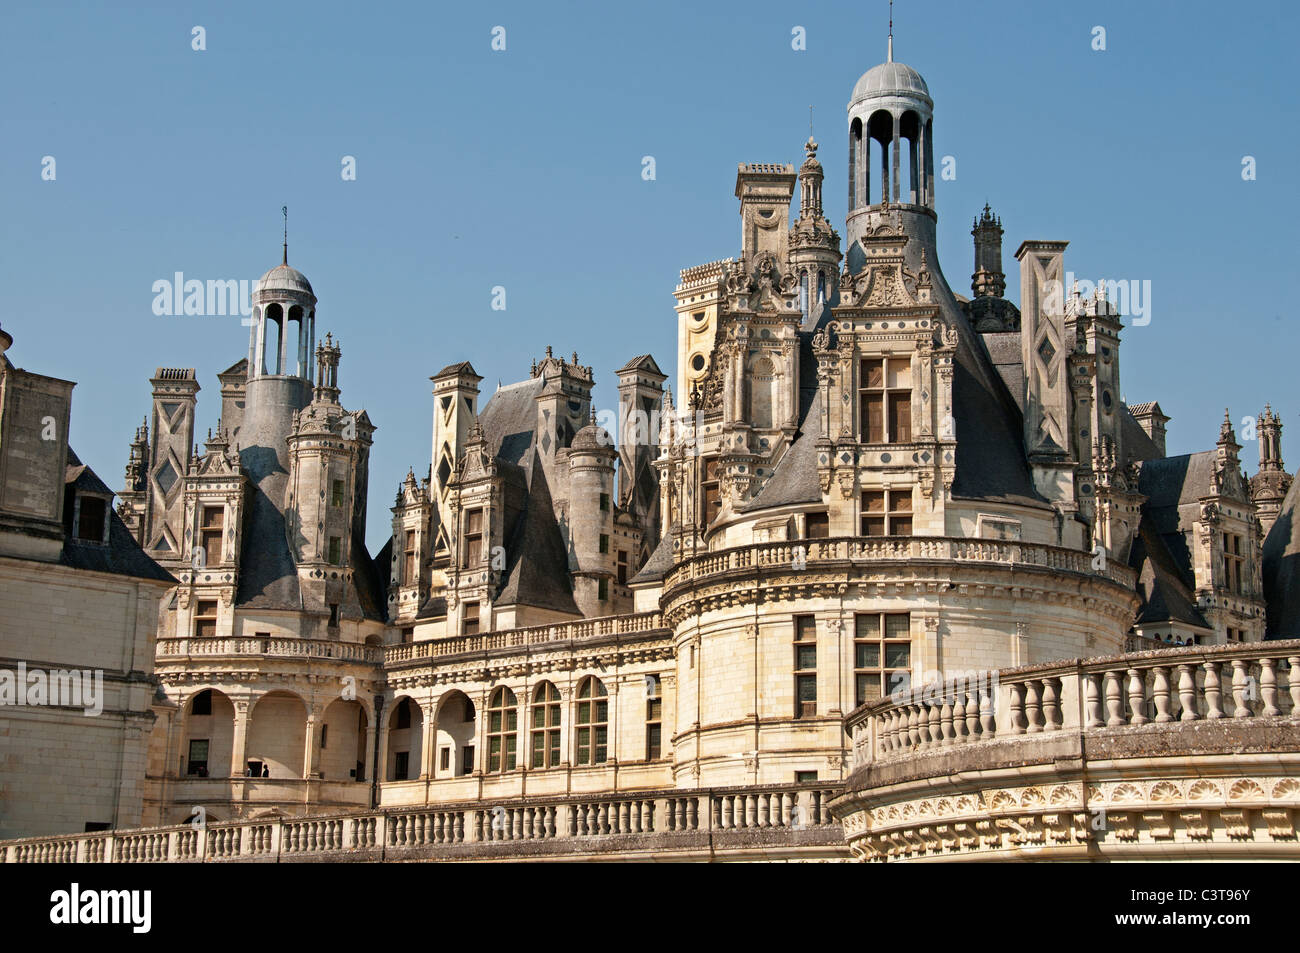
<point>175,393</point>
<point>1269,486</point>
<point>988,279</point>
<point>814,244</point>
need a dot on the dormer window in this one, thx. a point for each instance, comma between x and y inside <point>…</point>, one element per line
<point>885,400</point>
<point>86,519</point>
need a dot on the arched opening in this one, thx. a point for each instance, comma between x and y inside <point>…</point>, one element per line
<point>909,130</point>
<point>857,166</point>
<point>454,742</point>
<point>803,292</point>
<point>277,737</point>
<point>880,129</point>
<point>343,741</point>
<point>299,339</point>
<point>269,359</point>
<point>503,730</point>
<point>405,740</point>
<point>927,162</point>
<point>208,738</point>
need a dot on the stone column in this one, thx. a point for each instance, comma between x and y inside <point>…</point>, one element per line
<point>428,741</point>
<point>311,752</point>
<point>372,731</point>
<point>239,742</point>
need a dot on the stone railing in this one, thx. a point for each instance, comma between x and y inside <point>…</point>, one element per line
<point>896,549</point>
<point>680,824</point>
<point>531,635</point>
<point>269,646</point>
<point>1187,753</point>
<point>1251,680</point>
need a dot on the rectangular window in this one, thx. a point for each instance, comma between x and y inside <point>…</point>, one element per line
<point>882,655</point>
<point>604,543</point>
<point>334,615</point>
<point>444,759</point>
<point>408,635</point>
<point>469,625</point>
<point>467,760</point>
<point>472,551</point>
<point>214,518</point>
<point>1232,563</point>
<point>805,777</point>
<point>887,512</point>
<point>602,590</point>
<point>818,525</point>
<point>710,493</point>
<point>885,400</point>
<point>604,502</point>
<point>336,493</point>
<point>198,760</point>
<point>336,551</point>
<point>205,618</point>
<point>402,765</point>
<point>622,567</point>
<point>408,559</point>
<point>90,520</point>
<point>324,735</point>
<point>653,719</point>
<point>805,666</point>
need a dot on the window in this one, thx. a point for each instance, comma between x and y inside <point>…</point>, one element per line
<point>202,703</point>
<point>805,666</point>
<point>336,551</point>
<point>198,760</point>
<point>604,502</point>
<point>444,759</point>
<point>408,634</point>
<point>324,735</point>
<point>882,655</point>
<point>602,589</point>
<point>817,526</point>
<point>408,559</point>
<point>885,398</point>
<point>805,777</point>
<point>653,719</point>
<point>90,519</point>
<point>545,738</point>
<point>334,615</point>
<point>214,518</point>
<point>1232,562</point>
<point>469,625</point>
<point>467,760</point>
<point>710,493</point>
<point>503,717</point>
<point>401,765</point>
<point>336,493</point>
<point>472,552</point>
<point>592,727</point>
<point>604,543</point>
<point>205,618</point>
<point>622,567</point>
<point>887,513</point>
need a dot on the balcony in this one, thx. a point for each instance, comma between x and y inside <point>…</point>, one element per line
<point>267,647</point>
<point>1187,752</point>
<point>760,823</point>
<point>408,652</point>
<point>880,552</point>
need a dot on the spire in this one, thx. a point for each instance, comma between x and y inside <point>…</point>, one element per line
<point>284,210</point>
<point>890,57</point>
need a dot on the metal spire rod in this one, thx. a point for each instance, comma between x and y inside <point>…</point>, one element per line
<point>891,32</point>
<point>284,210</point>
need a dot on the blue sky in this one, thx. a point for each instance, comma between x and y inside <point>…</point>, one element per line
<point>522,169</point>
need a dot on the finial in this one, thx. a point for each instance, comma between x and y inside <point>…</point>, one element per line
<point>593,418</point>
<point>548,350</point>
<point>284,210</point>
<point>891,32</point>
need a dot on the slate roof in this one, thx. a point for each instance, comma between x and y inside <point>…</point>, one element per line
<point>509,421</point>
<point>122,556</point>
<point>660,561</point>
<point>1282,570</point>
<point>642,362</point>
<point>795,478</point>
<point>1167,588</point>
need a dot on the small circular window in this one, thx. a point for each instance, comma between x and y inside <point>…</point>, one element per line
<point>697,362</point>
<point>1106,400</point>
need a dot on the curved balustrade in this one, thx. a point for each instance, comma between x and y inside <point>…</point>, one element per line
<point>809,552</point>
<point>577,820</point>
<point>265,646</point>
<point>1203,683</point>
<point>530,635</point>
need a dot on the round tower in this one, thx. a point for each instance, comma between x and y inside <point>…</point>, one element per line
<point>591,518</point>
<point>814,245</point>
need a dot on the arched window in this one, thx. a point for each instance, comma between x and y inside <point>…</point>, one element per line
<point>503,716</point>
<point>546,726</point>
<point>592,722</point>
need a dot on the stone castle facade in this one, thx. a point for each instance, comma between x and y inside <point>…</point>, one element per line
<point>861,481</point>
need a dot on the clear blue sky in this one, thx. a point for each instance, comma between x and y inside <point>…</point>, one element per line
<point>523,169</point>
